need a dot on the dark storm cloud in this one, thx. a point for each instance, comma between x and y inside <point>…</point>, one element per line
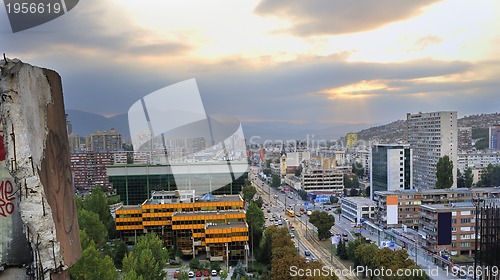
<point>333,17</point>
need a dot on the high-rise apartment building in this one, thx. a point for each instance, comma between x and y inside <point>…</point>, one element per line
<point>89,169</point>
<point>110,140</point>
<point>494,137</point>
<point>431,136</point>
<point>391,167</point>
<point>464,138</point>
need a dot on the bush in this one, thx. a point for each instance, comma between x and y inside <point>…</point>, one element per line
<point>194,263</point>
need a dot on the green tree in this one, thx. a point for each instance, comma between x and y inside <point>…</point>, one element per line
<point>444,173</point>
<point>276,181</point>
<point>147,258</point>
<point>490,176</point>
<point>194,263</point>
<point>248,192</point>
<point>117,250</point>
<point>255,220</point>
<point>353,192</point>
<point>351,250</point>
<point>323,222</point>
<point>224,274</point>
<point>132,275</point>
<point>259,202</point>
<point>93,265</point>
<point>93,227</point>
<point>97,203</point>
<point>239,272</point>
<point>303,195</point>
<point>468,177</point>
<point>342,250</point>
<point>358,169</point>
<point>460,179</point>
<point>334,199</point>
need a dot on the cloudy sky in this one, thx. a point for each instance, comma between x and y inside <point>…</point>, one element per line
<point>322,61</point>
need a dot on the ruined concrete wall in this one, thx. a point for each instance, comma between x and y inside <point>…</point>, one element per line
<point>37,158</point>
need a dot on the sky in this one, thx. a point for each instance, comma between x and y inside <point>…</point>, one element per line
<point>275,61</point>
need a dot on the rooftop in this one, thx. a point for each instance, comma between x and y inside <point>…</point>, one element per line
<point>438,191</point>
<point>360,200</point>
<point>225,225</point>
<point>449,206</point>
<point>199,213</point>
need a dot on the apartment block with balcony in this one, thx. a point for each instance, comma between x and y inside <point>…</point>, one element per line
<point>448,228</point>
<point>322,180</point>
<point>431,136</point>
<point>409,202</point>
<point>89,169</point>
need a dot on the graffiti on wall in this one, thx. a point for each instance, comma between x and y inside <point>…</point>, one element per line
<point>6,187</point>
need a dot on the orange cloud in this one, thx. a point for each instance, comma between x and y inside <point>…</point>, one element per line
<point>362,89</point>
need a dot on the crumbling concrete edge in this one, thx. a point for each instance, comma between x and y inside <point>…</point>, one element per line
<point>24,108</point>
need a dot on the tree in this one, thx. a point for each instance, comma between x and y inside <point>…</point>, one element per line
<point>276,181</point>
<point>334,199</point>
<point>248,192</point>
<point>117,250</point>
<point>194,263</point>
<point>444,173</point>
<point>323,222</point>
<point>460,179</point>
<point>469,177</point>
<point>132,275</point>
<point>259,202</point>
<point>97,203</point>
<point>224,274</point>
<point>147,258</point>
<point>92,265</point>
<point>490,176</point>
<point>239,272</point>
<point>94,229</point>
<point>255,220</point>
<point>303,195</point>
<point>342,250</point>
<point>353,192</point>
<point>358,169</point>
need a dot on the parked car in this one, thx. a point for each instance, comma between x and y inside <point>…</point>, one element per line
<point>214,272</point>
<point>198,273</point>
<point>190,274</point>
<point>206,273</point>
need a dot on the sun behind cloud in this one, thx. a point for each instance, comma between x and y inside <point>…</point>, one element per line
<point>361,89</point>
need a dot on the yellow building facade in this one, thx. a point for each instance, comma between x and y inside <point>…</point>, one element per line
<point>214,225</point>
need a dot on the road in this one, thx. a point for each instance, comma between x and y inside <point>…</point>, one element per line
<point>304,237</point>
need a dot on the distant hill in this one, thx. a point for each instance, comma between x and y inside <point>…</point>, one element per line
<point>395,131</point>
<point>85,123</point>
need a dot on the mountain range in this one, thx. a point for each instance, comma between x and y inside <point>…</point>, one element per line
<point>84,123</point>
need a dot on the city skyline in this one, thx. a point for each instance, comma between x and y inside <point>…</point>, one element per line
<point>267,62</point>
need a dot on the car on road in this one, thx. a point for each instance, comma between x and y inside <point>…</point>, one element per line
<point>268,210</point>
<point>345,237</point>
<point>292,235</point>
<point>308,259</point>
<point>307,252</point>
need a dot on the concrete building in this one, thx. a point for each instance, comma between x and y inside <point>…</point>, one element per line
<point>494,137</point>
<point>477,159</point>
<point>448,228</point>
<point>211,225</point>
<point>89,169</point>
<point>134,182</point>
<point>295,159</point>
<point>464,138</point>
<point>409,201</point>
<point>75,143</point>
<point>431,136</point>
<point>323,181</point>
<point>99,141</point>
<point>351,140</point>
<point>358,209</point>
<point>391,167</point>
